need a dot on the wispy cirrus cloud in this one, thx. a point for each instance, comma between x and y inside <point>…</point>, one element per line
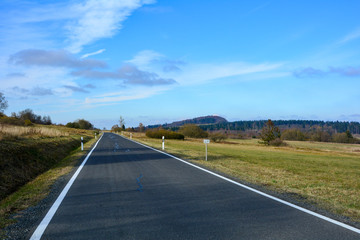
<point>350,37</point>
<point>202,73</point>
<point>140,92</point>
<point>172,65</point>
<point>145,57</point>
<point>52,58</point>
<point>98,19</point>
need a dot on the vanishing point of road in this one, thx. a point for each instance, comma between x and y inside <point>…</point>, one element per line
<point>128,191</point>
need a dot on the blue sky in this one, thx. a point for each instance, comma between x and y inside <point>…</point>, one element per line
<point>160,61</point>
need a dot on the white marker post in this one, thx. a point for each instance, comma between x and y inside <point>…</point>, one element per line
<point>206,141</point>
<point>163,143</point>
<point>95,136</point>
<point>82,144</point>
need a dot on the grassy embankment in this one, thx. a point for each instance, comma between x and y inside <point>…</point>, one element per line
<point>31,159</point>
<point>323,174</point>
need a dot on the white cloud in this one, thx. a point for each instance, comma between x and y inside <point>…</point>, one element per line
<point>93,53</point>
<point>98,19</point>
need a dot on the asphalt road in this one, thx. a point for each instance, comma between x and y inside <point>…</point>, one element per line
<point>177,201</point>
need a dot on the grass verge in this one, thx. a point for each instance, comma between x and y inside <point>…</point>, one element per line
<point>34,191</point>
<point>324,174</point>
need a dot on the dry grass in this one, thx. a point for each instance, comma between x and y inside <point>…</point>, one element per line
<point>34,191</point>
<point>10,131</point>
<point>325,174</point>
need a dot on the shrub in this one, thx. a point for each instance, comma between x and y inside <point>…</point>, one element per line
<point>345,137</point>
<point>116,128</point>
<point>80,123</point>
<point>27,122</point>
<point>218,137</point>
<point>320,136</point>
<point>293,134</point>
<point>159,133</point>
<point>28,114</point>
<point>11,121</point>
<point>277,142</point>
<point>72,125</point>
<point>193,131</point>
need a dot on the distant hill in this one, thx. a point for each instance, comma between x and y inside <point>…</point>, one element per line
<point>198,121</point>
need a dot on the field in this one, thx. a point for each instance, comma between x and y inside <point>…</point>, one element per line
<point>324,174</point>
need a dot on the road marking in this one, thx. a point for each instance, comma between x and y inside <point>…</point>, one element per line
<point>45,222</point>
<point>257,191</point>
<point>139,184</point>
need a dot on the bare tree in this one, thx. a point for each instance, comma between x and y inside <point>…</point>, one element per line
<point>122,122</point>
<point>3,103</point>
<point>141,127</point>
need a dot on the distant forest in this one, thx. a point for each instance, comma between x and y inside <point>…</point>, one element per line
<point>257,125</point>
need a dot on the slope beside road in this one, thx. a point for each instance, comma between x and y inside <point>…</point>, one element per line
<point>128,191</point>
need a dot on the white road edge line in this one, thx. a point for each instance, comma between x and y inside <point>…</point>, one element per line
<point>257,191</point>
<point>45,222</point>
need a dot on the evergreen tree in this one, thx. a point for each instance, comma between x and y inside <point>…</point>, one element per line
<point>269,132</point>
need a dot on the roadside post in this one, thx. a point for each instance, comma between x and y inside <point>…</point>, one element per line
<point>163,143</point>
<point>95,136</point>
<point>206,141</point>
<point>82,144</point>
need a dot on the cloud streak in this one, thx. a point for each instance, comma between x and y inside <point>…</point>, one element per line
<point>202,73</point>
<point>310,72</point>
<point>36,91</point>
<point>350,37</point>
<point>53,58</point>
<point>129,74</point>
<point>76,89</point>
<point>131,94</point>
<point>93,53</point>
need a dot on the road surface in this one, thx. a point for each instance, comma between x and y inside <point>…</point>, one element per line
<point>128,191</point>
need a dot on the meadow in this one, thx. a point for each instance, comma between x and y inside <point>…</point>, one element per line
<point>326,175</point>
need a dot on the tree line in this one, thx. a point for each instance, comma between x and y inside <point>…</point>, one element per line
<point>27,118</point>
<point>303,125</point>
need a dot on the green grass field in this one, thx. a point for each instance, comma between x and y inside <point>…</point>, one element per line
<point>324,174</point>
